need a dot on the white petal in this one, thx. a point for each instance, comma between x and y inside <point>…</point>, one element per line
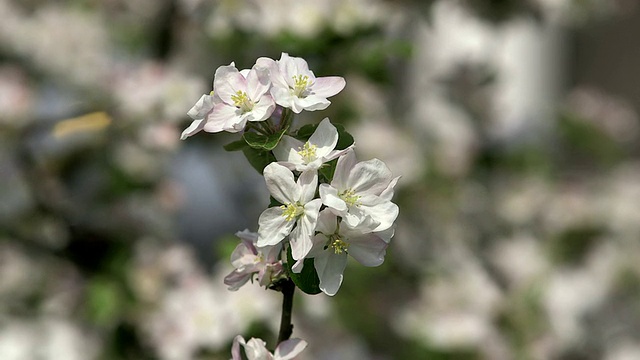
<point>202,107</point>
<point>345,163</point>
<point>337,153</point>
<point>371,176</point>
<point>288,349</point>
<point>368,250</point>
<point>328,86</point>
<point>287,150</point>
<point>308,182</point>
<point>330,267</point>
<point>327,223</point>
<point>309,103</point>
<point>283,97</point>
<point>387,194</point>
<point>235,348</point>
<point>329,196</point>
<point>236,279</point>
<point>262,109</point>
<point>193,129</point>
<point>301,236</point>
<point>325,138</point>
<point>258,83</point>
<point>281,184</point>
<point>384,212</point>
<point>229,85</point>
<point>220,117</point>
<point>273,227</point>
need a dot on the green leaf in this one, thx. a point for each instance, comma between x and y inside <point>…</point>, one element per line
<point>236,145</point>
<point>327,170</point>
<point>305,132</point>
<point>263,142</point>
<point>307,280</point>
<point>259,159</point>
<point>344,138</point>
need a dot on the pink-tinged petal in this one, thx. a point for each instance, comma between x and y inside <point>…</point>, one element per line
<point>368,250</point>
<point>328,86</point>
<point>385,213</point>
<point>258,83</point>
<point>222,71</point>
<point>283,97</point>
<point>288,69</point>
<point>308,182</point>
<point>262,109</point>
<point>281,184</point>
<point>345,163</point>
<point>327,223</point>
<point>229,85</point>
<point>288,349</point>
<point>235,348</point>
<point>248,236</point>
<point>309,103</point>
<point>329,196</point>
<point>277,80</point>
<point>330,267</point>
<point>325,137</point>
<point>242,256</point>
<point>287,150</point>
<point>371,176</point>
<point>193,129</point>
<point>273,227</point>
<point>221,115</point>
<point>235,280</point>
<point>202,107</point>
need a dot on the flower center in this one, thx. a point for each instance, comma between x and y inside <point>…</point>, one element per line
<point>241,100</point>
<point>292,211</point>
<point>308,152</point>
<point>349,196</point>
<point>301,82</point>
<point>338,245</point>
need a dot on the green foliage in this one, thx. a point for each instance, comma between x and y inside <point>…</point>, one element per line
<point>307,280</point>
<point>259,159</point>
<point>263,142</point>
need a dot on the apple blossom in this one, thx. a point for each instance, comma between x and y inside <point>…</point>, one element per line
<point>294,86</point>
<point>299,209</point>
<point>249,259</point>
<point>361,189</point>
<point>255,349</point>
<point>200,113</point>
<point>335,239</point>
<point>245,97</point>
<point>310,155</point>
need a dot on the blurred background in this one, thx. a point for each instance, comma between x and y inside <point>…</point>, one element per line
<point>513,123</point>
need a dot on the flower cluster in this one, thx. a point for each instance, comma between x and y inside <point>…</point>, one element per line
<point>325,204</point>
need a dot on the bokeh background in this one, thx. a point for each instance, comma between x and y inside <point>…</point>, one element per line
<point>513,123</point>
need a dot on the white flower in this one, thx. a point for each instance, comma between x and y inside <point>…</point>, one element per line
<point>255,349</point>
<point>200,113</point>
<point>244,96</point>
<point>237,97</point>
<point>249,259</point>
<point>334,240</point>
<point>361,189</point>
<point>299,156</point>
<point>299,208</point>
<point>294,86</point>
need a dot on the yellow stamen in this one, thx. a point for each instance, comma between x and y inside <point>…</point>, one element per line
<point>301,83</point>
<point>349,196</point>
<point>292,211</point>
<point>339,246</point>
<point>242,101</point>
<point>308,152</point>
